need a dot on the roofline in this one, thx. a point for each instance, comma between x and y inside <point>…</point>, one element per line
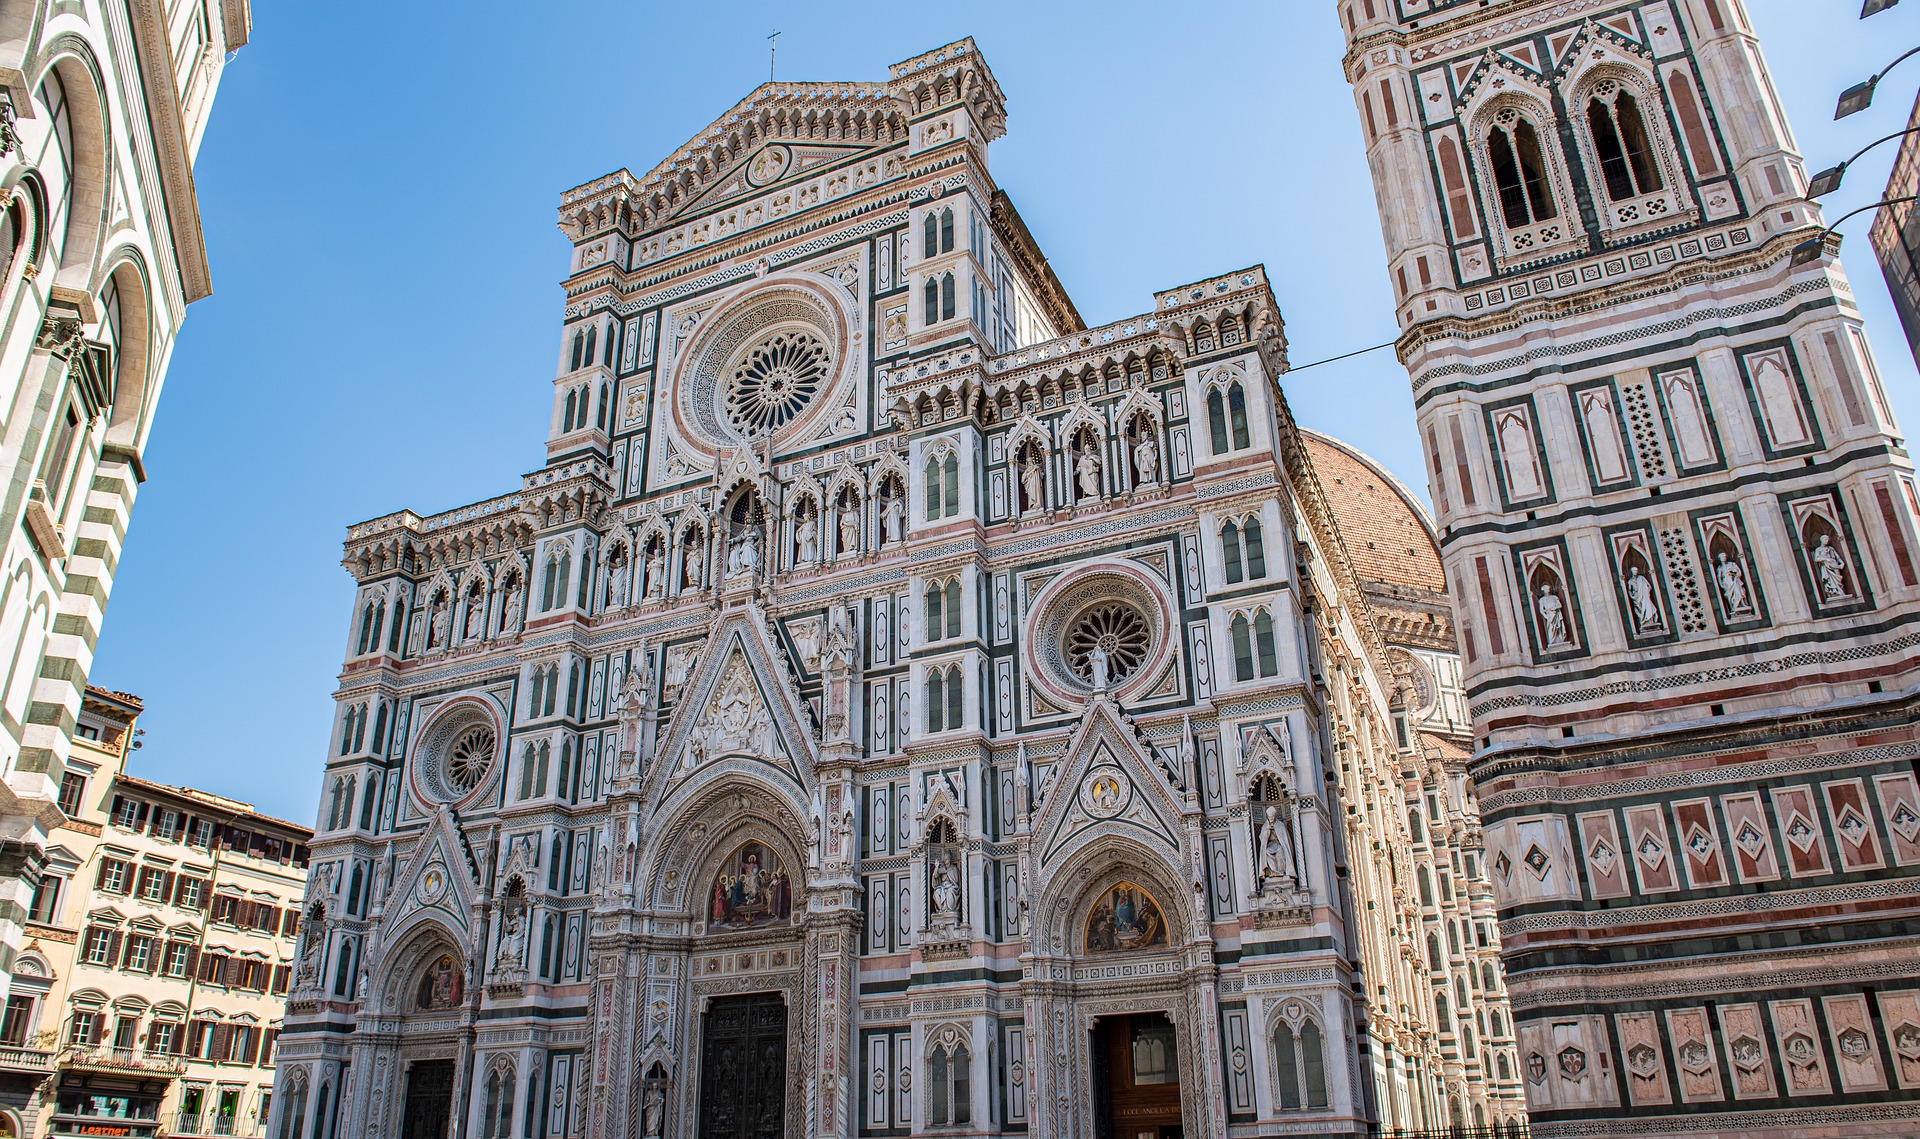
<point>1399,488</point>
<point>215,801</point>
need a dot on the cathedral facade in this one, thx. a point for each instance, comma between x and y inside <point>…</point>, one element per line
<point>1678,521</point>
<point>896,707</point>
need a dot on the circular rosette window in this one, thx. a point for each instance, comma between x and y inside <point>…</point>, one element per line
<point>1101,628</point>
<point>777,381</point>
<point>457,754</point>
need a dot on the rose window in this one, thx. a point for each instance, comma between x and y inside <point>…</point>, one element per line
<point>777,381</point>
<point>469,758</point>
<point>1115,627</point>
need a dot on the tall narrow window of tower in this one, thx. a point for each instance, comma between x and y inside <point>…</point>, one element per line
<point>929,235</point>
<point>946,297</point>
<point>1620,138</point>
<point>946,231</point>
<point>1520,172</point>
<point>1237,414</point>
<point>1387,103</point>
<point>1459,202</point>
<point>579,344</point>
<point>1230,552</point>
<point>1686,104</point>
<point>932,296</point>
<point>399,624</point>
<point>1714,16</point>
<point>600,408</point>
<point>606,357</point>
<point>591,333</point>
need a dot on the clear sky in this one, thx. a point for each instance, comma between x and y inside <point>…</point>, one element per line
<point>379,187</point>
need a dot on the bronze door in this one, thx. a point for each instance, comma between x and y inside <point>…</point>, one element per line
<point>743,1068</point>
<point>429,1100</point>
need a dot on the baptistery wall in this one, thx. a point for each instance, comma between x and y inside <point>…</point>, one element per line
<point>894,707</point>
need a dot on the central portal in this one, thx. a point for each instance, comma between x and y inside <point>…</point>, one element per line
<point>429,1100</point>
<point>743,1068</point>
<point>1136,1077</point>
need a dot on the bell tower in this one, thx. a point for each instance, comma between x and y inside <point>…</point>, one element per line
<point>1678,525</point>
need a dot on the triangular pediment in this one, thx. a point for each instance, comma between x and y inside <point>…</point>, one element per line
<point>741,704</point>
<point>768,166</point>
<point>441,875</point>
<point>1106,782</point>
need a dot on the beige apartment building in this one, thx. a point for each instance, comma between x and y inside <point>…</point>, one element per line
<point>157,954</point>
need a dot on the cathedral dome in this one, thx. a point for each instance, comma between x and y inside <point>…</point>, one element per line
<point>1388,534</point>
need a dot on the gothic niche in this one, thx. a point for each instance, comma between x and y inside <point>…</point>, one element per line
<point>745,521</point>
<point>693,559</point>
<point>653,584</point>
<point>510,603</point>
<point>1086,465</point>
<point>943,875</point>
<point>1030,477</point>
<point>510,959</point>
<point>750,891</point>
<point>615,596</point>
<point>1831,574</point>
<point>1276,869</point>
<point>1143,451</point>
<point>806,532</point>
<point>1643,599</point>
<point>1550,610</point>
<point>846,512</point>
<point>1125,919</point>
<point>892,497</point>
<point>441,986</point>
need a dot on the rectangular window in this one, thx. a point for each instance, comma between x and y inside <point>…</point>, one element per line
<point>83,1028</point>
<point>166,824</point>
<point>125,811</point>
<point>224,907</point>
<point>99,947</point>
<point>153,884</point>
<point>139,954</point>
<point>163,1039</point>
<point>18,1019</point>
<point>189,891</point>
<point>46,900</point>
<point>113,876</point>
<point>176,962</point>
<point>73,791</point>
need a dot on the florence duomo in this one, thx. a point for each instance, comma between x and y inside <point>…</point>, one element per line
<point>896,707</point>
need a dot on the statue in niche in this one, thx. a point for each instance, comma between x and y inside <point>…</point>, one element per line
<point>653,1111</point>
<point>945,889</point>
<point>1646,610</point>
<point>510,611</point>
<point>657,570</point>
<point>743,555</point>
<point>809,539</point>
<point>476,622</point>
<point>513,939</point>
<point>1033,492</point>
<point>1831,569</point>
<point>694,567</point>
<point>1087,468</point>
<point>1146,463</point>
<point>893,517</point>
<point>312,934</point>
<point>617,566</point>
<point>439,626</point>
<point>1733,585</point>
<point>1553,618</point>
<point>849,526</point>
<point>1275,847</point>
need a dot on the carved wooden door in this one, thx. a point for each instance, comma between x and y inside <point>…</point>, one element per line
<point>743,1068</point>
<point>429,1100</point>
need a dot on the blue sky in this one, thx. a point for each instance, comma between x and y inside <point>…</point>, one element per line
<point>379,187</point>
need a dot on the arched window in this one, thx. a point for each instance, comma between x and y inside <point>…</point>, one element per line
<point>591,333</point>
<point>579,342</point>
<point>1620,139</point>
<point>1242,648</point>
<point>1519,172</point>
<point>1217,421</point>
<point>1416,826</point>
<point>950,483</point>
<point>606,355</point>
<point>343,975</point>
<point>526,772</point>
<point>1301,1060</point>
<point>1441,1013</point>
<point>946,296</point>
<point>956,698</point>
<point>600,409</point>
<point>1503,1065</point>
<point>537,691</point>
<point>368,800</point>
<point>1255,547</point>
<point>1426,886</point>
<point>1242,551</point>
<point>1263,644</point>
<point>53,95</point>
<point>1459,202</point>
<point>553,689</point>
<point>929,235</point>
<point>573,689</point>
<point>953,607</point>
<point>546,947</point>
<point>931,295</point>
<point>946,231</point>
<point>333,803</point>
<point>293,1117</point>
<point>1435,958</point>
<point>950,1086</point>
<point>1237,414</point>
<point>540,769</point>
<point>936,700</point>
<point>1230,552</point>
<point>369,631</point>
<point>566,765</point>
<point>936,621</point>
<point>1486,976</point>
<point>566,417</point>
<point>399,623</point>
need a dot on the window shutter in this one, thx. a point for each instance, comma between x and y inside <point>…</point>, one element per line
<point>166,884</point>
<point>193,961</point>
<point>217,1047</point>
<point>99,1027</point>
<point>86,940</point>
<point>113,947</point>
<point>100,875</point>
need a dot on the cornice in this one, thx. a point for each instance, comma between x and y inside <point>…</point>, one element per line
<point>149,20</point>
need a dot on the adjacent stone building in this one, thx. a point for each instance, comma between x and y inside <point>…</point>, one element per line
<point>102,107</point>
<point>1678,524</point>
<point>159,951</point>
<point>896,707</point>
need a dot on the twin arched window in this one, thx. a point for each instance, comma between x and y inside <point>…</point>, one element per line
<point>945,698</point>
<point>1300,1056</point>
<point>950,1091</point>
<point>1227,417</point>
<point>943,609</point>
<point>1243,551</point>
<point>533,770</point>
<point>497,1121</point>
<point>553,594</point>
<point>1619,133</point>
<point>1254,656</point>
<point>936,233</point>
<point>943,486</point>
<point>370,618</point>
<point>340,804</point>
<point>573,414</point>
<point>1520,171</point>
<point>938,298</point>
<point>545,690</point>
